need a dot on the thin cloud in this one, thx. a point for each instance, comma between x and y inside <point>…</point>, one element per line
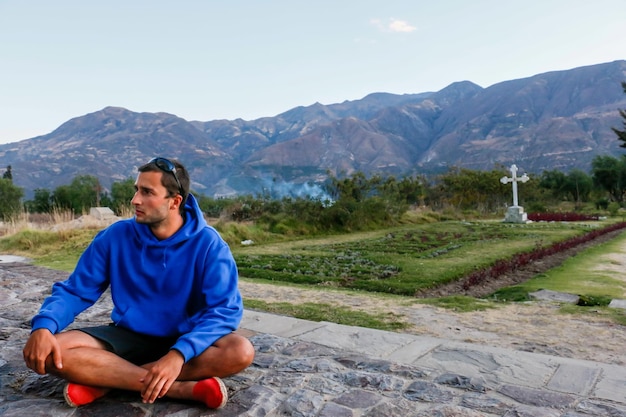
<point>401,26</point>
<point>393,25</point>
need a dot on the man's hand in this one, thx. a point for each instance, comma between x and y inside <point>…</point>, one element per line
<point>40,345</point>
<point>161,376</point>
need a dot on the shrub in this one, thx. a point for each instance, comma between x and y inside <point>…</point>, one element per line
<point>602,204</point>
<point>593,300</point>
<point>513,293</point>
<point>537,207</point>
<point>613,208</point>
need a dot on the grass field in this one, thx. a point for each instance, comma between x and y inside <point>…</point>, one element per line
<point>398,261</point>
<point>594,273</point>
<point>402,260</point>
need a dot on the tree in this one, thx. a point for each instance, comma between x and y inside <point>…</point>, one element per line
<point>121,194</point>
<point>79,196</point>
<point>8,175</point>
<point>609,173</point>
<point>41,202</point>
<point>555,182</point>
<point>355,188</point>
<point>10,199</point>
<point>579,185</point>
<point>407,191</point>
<point>468,189</point>
<point>360,202</point>
<point>621,134</point>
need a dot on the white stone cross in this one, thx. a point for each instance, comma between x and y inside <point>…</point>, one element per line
<point>514,180</point>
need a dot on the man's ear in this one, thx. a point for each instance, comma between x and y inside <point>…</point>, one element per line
<point>178,200</point>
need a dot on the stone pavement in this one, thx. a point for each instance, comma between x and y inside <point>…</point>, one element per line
<point>305,368</point>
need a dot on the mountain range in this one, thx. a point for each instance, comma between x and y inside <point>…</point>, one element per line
<point>555,120</point>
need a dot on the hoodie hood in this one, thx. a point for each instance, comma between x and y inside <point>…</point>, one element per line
<point>193,224</point>
<point>157,252</point>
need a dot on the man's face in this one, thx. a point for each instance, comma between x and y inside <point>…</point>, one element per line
<point>151,201</point>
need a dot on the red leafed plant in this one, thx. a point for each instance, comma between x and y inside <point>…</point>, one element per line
<point>561,217</point>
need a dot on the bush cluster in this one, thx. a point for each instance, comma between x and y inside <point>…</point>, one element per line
<point>358,202</point>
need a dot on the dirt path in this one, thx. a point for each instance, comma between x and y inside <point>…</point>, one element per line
<point>534,326</point>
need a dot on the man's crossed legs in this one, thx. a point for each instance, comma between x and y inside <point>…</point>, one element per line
<point>95,360</point>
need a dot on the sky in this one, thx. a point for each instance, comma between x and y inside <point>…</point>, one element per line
<point>207,59</point>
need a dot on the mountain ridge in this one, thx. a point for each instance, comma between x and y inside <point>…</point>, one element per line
<point>556,120</point>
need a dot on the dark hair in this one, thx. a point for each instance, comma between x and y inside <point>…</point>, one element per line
<point>168,179</point>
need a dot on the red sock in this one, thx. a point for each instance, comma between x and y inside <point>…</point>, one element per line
<point>212,392</point>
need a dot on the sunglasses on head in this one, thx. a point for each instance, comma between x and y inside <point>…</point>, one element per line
<point>166,165</point>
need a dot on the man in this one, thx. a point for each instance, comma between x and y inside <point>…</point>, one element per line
<point>173,283</point>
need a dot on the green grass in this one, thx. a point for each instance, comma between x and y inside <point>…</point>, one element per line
<point>334,314</point>
<point>581,275</point>
<point>402,260</point>
<point>436,260</point>
<point>398,260</point>
<point>460,303</point>
<point>57,250</point>
<point>616,315</point>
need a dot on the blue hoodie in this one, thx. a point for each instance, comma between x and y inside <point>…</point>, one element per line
<point>184,286</point>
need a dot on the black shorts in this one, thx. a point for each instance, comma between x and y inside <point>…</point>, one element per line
<point>134,347</point>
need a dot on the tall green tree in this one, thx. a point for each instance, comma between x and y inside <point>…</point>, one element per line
<point>80,195</point>
<point>555,182</point>
<point>360,202</point>
<point>8,174</point>
<point>355,188</point>
<point>621,134</point>
<point>121,195</point>
<point>468,189</point>
<point>579,185</point>
<point>10,199</point>
<point>609,173</point>
<point>41,202</point>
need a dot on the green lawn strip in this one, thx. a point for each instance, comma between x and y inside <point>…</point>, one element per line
<point>460,303</point>
<point>348,316</point>
<point>330,313</point>
<point>579,275</point>
<point>56,250</point>
<point>383,263</point>
<point>613,315</point>
<point>335,314</point>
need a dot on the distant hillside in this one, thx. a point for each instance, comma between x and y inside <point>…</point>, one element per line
<point>557,120</point>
